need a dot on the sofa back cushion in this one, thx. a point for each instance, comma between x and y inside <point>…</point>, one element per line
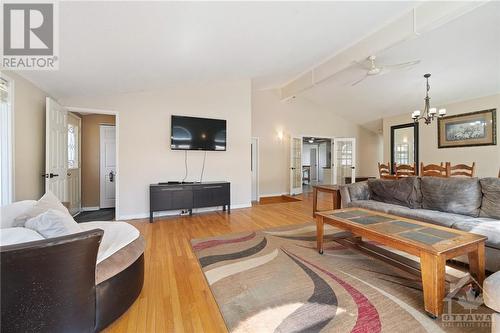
<point>403,191</point>
<point>490,206</point>
<point>452,195</point>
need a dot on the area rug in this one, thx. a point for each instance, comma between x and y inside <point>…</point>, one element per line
<point>275,281</point>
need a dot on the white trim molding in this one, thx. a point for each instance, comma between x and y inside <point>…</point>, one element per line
<point>178,212</point>
<point>90,209</point>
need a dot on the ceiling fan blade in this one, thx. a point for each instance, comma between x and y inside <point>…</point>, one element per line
<point>359,81</point>
<point>403,65</point>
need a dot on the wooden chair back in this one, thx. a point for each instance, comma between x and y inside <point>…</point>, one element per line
<point>384,170</point>
<point>433,170</point>
<point>461,170</point>
<point>405,170</point>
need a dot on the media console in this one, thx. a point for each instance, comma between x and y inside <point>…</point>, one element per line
<point>173,196</point>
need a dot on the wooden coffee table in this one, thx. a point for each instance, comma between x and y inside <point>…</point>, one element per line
<point>433,244</point>
<point>333,189</point>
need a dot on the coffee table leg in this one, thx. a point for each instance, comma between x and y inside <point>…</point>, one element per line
<point>433,279</point>
<point>476,264</point>
<point>315,201</point>
<point>319,233</point>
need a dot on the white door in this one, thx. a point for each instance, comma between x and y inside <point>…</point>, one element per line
<point>314,163</point>
<point>74,170</point>
<point>254,167</point>
<point>56,149</point>
<point>296,166</point>
<point>108,166</point>
<point>344,160</point>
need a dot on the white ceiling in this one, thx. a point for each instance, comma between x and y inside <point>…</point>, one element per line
<point>463,57</point>
<point>113,47</point>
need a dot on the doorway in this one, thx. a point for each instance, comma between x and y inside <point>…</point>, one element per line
<point>73,159</point>
<point>316,161</point>
<point>254,166</point>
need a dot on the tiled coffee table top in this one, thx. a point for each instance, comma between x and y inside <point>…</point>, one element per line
<point>393,226</point>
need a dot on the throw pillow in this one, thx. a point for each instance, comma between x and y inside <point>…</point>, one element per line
<point>402,192</point>
<point>46,202</point>
<point>452,195</point>
<point>53,223</point>
<point>490,206</point>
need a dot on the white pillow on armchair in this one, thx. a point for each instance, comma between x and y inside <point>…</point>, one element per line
<point>53,223</point>
<point>46,202</point>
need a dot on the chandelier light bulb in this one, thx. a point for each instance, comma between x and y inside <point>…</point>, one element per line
<point>442,112</point>
<point>432,111</point>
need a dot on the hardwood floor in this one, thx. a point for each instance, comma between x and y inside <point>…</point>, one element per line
<point>176,297</point>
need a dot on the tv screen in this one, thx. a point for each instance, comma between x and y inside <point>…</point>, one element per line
<point>190,133</point>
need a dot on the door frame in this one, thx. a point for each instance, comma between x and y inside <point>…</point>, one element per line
<point>117,138</point>
<point>256,164</point>
<point>10,136</point>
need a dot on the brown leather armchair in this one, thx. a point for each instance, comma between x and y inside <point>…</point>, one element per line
<point>49,286</point>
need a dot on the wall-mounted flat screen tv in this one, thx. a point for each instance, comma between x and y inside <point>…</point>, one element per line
<point>191,133</point>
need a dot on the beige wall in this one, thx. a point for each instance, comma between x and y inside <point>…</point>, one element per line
<point>298,117</point>
<point>487,158</point>
<point>29,139</point>
<point>143,126</point>
<point>90,157</point>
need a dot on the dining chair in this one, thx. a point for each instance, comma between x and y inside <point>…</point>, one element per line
<point>433,170</point>
<point>405,170</point>
<point>384,170</point>
<point>461,170</point>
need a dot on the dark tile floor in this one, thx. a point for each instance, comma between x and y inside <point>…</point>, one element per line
<point>105,214</point>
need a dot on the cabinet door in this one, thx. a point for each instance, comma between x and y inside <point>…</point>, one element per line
<point>211,195</point>
<point>166,198</point>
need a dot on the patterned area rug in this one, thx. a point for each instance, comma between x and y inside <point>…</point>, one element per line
<point>275,281</point>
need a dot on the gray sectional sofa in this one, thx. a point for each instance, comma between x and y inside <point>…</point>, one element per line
<point>468,204</point>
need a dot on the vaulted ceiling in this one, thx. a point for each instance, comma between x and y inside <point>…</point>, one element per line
<point>112,47</point>
<point>115,47</point>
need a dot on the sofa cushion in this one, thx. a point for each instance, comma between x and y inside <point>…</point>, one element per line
<point>9,213</point>
<point>490,206</point>
<point>424,215</point>
<point>452,195</point>
<point>403,192</point>
<point>53,223</point>
<point>116,236</point>
<point>46,202</point>
<point>482,226</point>
<point>16,235</point>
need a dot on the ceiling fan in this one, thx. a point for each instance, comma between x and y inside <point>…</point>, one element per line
<point>376,69</point>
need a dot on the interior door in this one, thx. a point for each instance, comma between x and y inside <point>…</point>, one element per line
<point>107,166</point>
<point>314,163</point>
<point>74,162</point>
<point>344,160</point>
<point>56,149</point>
<point>296,166</point>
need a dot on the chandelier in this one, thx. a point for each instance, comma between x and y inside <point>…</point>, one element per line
<point>429,114</point>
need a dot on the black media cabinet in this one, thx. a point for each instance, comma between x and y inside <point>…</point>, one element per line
<point>165,196</point>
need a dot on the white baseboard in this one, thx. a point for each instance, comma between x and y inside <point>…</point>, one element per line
<point>267,195</point>
<point>88,209</point>
<point>177,212</point>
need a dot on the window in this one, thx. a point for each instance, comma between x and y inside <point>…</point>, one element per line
<point>5,141</point>
<point>72,146</point>
<point>402,153</point>
<point>346,155</point>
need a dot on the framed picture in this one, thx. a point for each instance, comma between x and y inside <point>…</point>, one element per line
<point>468,129</point>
